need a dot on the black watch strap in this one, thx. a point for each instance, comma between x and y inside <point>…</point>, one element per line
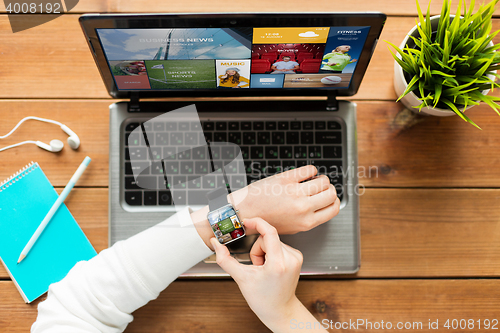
<point>217,198</point>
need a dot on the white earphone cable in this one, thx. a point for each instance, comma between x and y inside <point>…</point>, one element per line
<point>17,144</point>
<point>29,118</point>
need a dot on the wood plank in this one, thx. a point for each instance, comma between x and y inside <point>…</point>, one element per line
<point>88,119</point>
<point>390,7</point>
<point>70,72</point>
<point>90,209</point>
<point>430,233</point>
<point>49,61</point>
<point>396,148</point>
<point>404,232</point>
<point>86,6</point>
<point>189,306</point>
<point>408,149</point>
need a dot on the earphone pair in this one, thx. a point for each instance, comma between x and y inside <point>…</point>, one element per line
<point>54,145</point>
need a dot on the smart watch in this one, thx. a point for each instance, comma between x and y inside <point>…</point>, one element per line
<point>223,218</point>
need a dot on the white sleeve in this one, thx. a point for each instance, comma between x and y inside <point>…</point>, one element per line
<point>99,295</point>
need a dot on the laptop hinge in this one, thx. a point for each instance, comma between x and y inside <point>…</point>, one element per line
<point>331,102</point>
<point>133,105</point>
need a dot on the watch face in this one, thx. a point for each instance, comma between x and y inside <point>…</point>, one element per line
<point>226,224</point>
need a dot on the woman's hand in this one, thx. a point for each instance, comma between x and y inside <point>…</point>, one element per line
<point>269,284</point>
<point>290,201</point>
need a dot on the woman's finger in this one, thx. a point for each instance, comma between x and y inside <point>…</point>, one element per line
<point>257,253</point>
<point>271,243</point>
<point>230,265</point>
<point>315,186</point>
<point>326,213</point>
<point>300,174</point>
<point>323,199</point>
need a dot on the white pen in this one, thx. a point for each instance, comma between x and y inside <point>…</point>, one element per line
<point>54,208</point>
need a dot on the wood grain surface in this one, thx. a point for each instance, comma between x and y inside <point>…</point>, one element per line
<point>194,306</point>
<point>88,119</point>
<point>397,148</point>
<point>430,210</point>
<point>83,6</point>
<point>390,7</point>
<point>63,66</point>
<point>404,233</point>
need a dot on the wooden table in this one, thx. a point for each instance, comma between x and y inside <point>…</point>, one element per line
<point>430,217</point>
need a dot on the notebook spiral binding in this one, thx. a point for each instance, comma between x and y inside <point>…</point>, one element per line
<point>18,175</point>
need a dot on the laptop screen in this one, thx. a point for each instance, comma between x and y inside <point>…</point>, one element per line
<point>233,58</point>
<point>198,55</point>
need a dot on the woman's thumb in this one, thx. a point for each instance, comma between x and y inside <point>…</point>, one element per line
<point>224,259</point>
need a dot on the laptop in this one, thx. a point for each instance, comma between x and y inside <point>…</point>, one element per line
<point>300,63</point>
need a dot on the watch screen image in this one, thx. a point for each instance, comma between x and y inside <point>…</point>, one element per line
<point>226,224</point>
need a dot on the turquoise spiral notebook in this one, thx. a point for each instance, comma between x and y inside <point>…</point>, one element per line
<point>25,199</point>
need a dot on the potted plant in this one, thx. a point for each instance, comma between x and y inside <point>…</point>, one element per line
<point>447,63</point>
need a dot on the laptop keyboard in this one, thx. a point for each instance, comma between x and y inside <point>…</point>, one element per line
<point>268,147</point>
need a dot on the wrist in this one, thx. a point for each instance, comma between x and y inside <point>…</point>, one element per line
<point>202,226</point>
<point>280,318</point>
<point>292,313</point>
<point>240,200</point>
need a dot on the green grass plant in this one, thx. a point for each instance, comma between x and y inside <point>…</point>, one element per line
<point>450,66</point>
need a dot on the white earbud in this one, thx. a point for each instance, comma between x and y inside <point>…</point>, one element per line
<point>73,140</point>
<point>55,145</point>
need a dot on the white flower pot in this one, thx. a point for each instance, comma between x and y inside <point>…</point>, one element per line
<point>400,84</point>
